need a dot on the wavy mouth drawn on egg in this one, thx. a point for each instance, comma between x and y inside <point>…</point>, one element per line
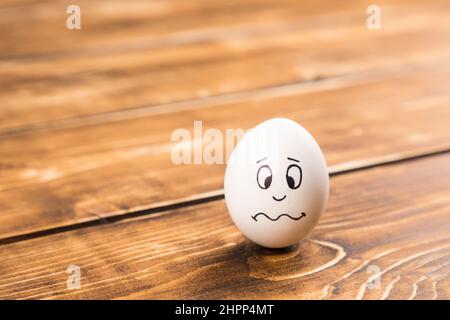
<point>281,215</point>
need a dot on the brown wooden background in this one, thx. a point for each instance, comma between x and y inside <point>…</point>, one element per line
<point>86,117</point>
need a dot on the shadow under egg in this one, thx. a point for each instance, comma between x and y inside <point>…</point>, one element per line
<point>305,258</point>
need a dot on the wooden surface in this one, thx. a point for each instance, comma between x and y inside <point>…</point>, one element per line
<point>386,217</point>
<point>65,176</point>
<point>86,118</point>
<point>140,62</point>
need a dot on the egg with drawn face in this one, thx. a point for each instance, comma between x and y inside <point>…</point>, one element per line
<point>276,183</point>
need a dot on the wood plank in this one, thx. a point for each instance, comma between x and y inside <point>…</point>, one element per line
<point>37,90</point>
<point>394,219</point>
<point>55,178</point>
<point>37,28</point>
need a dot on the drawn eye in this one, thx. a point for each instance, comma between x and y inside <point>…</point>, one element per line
<point>264,177</point>
<point>294,176</point>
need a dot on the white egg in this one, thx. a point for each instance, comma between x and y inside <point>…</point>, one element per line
<point>276,183</point>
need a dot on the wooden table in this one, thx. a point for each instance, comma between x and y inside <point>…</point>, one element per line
<point>87,181</point>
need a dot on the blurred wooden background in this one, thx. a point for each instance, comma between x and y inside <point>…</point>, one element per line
<point>86,116</point>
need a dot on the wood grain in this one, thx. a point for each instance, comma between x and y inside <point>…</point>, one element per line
<point>41,26</point>
<point>86,117</point>
<point>279,43</point>
<point>395,218</point>
<point>59,177</point>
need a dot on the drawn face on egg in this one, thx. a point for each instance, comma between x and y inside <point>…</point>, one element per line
<point>293,179</point>
<point>276,183</point>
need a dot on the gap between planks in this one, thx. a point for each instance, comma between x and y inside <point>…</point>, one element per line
<point>214,195</point>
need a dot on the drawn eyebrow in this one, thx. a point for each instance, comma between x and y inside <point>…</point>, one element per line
<point>292,159</point>
<point>261,160</point>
